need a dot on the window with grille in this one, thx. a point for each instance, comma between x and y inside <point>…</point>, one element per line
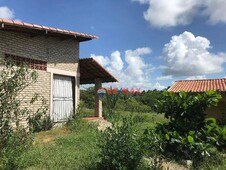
<point>32,63</point>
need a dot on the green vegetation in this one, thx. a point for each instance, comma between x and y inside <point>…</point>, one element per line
<point>188,135</point>
<point>12,81</point>
<point>141,120</point>
<point>71,147</point>
<point>40,120</point>
<point>15,139</point>
<point>121,146</point>
<point>87,96</point>
<point>144,102</point>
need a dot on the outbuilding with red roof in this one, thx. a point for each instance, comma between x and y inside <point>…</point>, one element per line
<point>199,86</point>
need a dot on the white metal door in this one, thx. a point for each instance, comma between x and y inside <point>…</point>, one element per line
<point>62,97</point>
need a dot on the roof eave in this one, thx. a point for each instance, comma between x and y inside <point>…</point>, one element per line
<point>34,29</point>
<point>90,69</point>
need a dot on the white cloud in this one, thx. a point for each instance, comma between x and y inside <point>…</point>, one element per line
<point>136,65</point>
<point>215,10</point>
<point>168,13</point>
<point>187,55</point>
<point>201,77</point>
<point>101,59</point>
<point>162,67</point>
<point>161,78</point>
<point>6,13</point>
<point>116,61</point>
<point>131,70</point>
<point>158,86</point>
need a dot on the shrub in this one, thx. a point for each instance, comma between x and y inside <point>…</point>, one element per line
<point>188,135</point>
<point>88,97</point>
<point>12,81</point>
<point>194,145</point>
<point>40,120</point>
<point>14,138</point>
<point>110,101</point>
<point>186,110</point>
<point>150,98</point>
<point>19,142</point>
<point>165,140</point>
<point>79,111</point>
<point>120,146</point>
<point>214,134</point>
<point>132,105</point>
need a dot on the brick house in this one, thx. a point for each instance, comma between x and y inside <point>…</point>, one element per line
<point>54,54</point>
<point>198,86</point>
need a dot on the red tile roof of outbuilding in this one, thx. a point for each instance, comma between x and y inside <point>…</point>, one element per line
<point>43,30</point>
<point>199,85</point>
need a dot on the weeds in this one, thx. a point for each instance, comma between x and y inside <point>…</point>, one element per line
<point>77,149</point>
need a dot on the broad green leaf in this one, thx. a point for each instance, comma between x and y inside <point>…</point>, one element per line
<point>211,121</point>
<point>167,137</point>
<point>175,134</point>
<point>190,139</point>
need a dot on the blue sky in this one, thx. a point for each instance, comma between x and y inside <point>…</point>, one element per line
<point>146,44</point>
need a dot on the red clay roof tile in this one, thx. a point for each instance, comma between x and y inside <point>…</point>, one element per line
<point>18,22</point>
<point>7,21</point>
<point>46,28</point>
<point>28,24</point>
<point>199,85</point>
<point>59,30</point>
<point>37,26</point>
<point>32,27</point>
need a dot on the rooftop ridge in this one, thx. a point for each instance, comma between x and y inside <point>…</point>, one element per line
<point>44,28</point>
<point>201,80</point>
<point>199,85</point>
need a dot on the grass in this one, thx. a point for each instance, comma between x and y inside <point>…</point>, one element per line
<point>73,147</point>
<point>216,163</point>
<point>49,136</point>
<point>87,112</point>
<point>142,120</point>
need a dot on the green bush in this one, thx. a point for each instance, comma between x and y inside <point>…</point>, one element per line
<point>19,142</point>
<point>12,81</point>
<point>194,145</point>
<point>214,134</point>
<point>40,120</point>
<point>165,140</point>
<point>186,110</point>
<point>188,135</point>
<point>88,97</point>
<point>150,98</point>
<point>132,105</point>
<point>121,147</point>
<point>14,137</point>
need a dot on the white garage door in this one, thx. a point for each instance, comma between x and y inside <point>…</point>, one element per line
<point>62,98</point>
